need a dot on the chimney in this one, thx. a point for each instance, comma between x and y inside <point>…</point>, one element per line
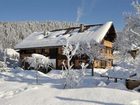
<point>81,28</point>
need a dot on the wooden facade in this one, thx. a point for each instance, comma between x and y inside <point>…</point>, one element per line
<point>107,52</point>
<point>56,52</point>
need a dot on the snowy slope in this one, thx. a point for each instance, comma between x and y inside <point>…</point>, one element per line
<point>18,87</point>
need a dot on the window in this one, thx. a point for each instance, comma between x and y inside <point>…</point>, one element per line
<point>102,50</point>
<point>29,51</point>
<point>38,51</point>
<point>60,50</point>
<point>108,50</point>
<point>53,53</point>
<point>46,50</point>
<point>103,64</point>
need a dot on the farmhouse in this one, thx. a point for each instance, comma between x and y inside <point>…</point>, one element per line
<point>48,43</point>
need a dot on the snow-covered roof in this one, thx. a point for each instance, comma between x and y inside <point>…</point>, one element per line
<point>53,38</point>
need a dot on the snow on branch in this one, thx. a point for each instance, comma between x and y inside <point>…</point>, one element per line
<point>72,77</point>
<point>136,5</point>
<point>92,49</point>
<point>134,32</point>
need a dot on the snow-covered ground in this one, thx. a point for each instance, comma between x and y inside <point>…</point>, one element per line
<point>19,87</point>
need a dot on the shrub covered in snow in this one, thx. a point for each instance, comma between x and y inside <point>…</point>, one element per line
<point>119,72</point>
<point>9,57</point>
<point>74,77</point>
<point>11,53</point>
<point>102,84</point>
<point>117,86</point>
<point>37,61</point>
<point>3,67</point>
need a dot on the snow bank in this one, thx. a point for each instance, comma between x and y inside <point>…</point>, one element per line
<point>2,64</point>
<point>137,76</point>
<point>11,53</point>
<point>117,86</point>
<point>102,84</point>
<point>137,89</point>
<point>138,73</point>
<point>119,72</point>
<point>17,88</point>
<point>19,75</point>
<point>3,67</point>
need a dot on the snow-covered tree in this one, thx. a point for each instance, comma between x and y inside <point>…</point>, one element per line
<point>129,38</point>
<point>122,45</point>
<point>132,27</point>
<point>11,53</point>
<point>71,76</point>
<point>12,56</point>
<point>8,58</point>
<point>93,50</point>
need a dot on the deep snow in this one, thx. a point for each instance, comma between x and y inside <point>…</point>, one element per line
<point>19,87</point>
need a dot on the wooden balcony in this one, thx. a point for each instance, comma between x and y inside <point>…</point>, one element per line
<point>107,43</point>
<point>107,56</point>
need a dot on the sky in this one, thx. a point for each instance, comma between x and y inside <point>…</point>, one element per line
<point>81,11</point>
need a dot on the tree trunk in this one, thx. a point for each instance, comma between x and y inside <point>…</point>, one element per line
<point>92,72</point>
<point>36,76</point>
<point>5,57</point>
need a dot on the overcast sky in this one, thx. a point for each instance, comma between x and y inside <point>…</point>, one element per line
<point>82,11</point>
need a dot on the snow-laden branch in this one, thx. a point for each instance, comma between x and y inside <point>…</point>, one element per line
<point>134,32</point>
<point>129,39</point>
<point>72,77</point>
<point>136,5</point>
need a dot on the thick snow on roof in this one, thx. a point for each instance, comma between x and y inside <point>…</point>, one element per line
<point>53,38</point>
